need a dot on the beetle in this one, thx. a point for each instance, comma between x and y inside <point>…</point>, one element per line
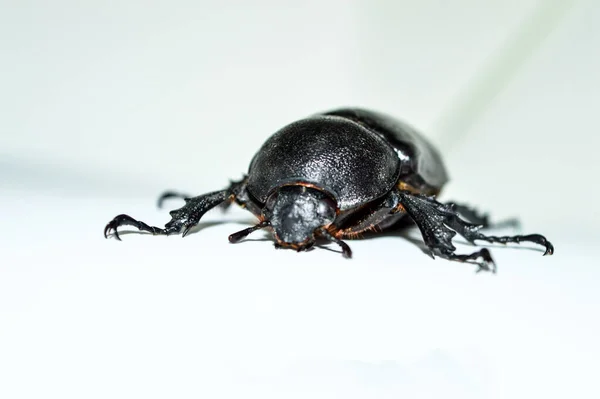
<point>338,174</point>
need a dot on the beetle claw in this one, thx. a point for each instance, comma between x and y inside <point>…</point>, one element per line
<point>117,221</point>
<point>484,266</point>
<point>111,226</point>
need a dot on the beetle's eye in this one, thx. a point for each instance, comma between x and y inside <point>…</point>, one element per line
<point>326,208</point>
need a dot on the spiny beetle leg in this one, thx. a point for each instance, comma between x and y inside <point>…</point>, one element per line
<point>485,264</point>
<point>190,214</point>
<point>182,219</point>
<point>472,215</point>
<point>439,223</point>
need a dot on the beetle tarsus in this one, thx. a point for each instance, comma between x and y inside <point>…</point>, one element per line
<point>534,238</point>
<point>126,220</point>
<point>473,235</point>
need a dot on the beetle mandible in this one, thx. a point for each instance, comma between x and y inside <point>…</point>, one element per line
<point>335,175</point>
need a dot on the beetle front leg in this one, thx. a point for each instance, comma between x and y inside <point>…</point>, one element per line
<point>182,219</point>
<point>439,223</point>
<point>184,196</point>
<point>126,220</point>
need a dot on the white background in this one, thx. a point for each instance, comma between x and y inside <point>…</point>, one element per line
<point>106,104</point>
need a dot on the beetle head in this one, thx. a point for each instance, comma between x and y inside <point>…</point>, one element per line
<point>295,212</point>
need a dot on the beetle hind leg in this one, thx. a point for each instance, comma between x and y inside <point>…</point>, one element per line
<point>474,216</point>
<point>170,194</point>
<point>482,258</point>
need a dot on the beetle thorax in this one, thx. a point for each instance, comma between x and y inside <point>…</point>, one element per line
<point>297,212</point>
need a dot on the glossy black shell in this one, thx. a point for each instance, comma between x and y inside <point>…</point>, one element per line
<point>355,155</point>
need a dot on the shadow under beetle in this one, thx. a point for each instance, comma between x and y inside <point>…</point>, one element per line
<point>336,175</point>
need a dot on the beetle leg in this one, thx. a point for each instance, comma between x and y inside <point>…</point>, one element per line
<point>471,233</point>
<point>171,194</point>
<point>486,264</point>
<point>126,220</point>
<point>346,251</point>
<point>182,219</point>
<point>430,217</point>
<point>439,223</point>
<point>473,216</point>
<point>373,218</point>
<point>534,238</point>
<point>236,237</point>
<point>175,194</point>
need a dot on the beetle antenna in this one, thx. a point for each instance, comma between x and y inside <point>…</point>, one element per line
<point>346,251</point>
<point>235,237</point>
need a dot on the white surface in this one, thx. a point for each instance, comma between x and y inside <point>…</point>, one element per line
<point>105,105</point>
<point>81,316</point>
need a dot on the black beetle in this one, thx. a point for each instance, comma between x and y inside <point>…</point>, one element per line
<point>336,175</point>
